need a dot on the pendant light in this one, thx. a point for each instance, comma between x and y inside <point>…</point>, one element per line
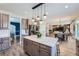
<point>44,16</point>
<point>38,18</point>
<point>35,22</point>
<point>33,15</point>
<point>38,15</point>
<point>41,21</point>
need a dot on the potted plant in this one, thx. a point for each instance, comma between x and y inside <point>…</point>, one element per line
<point>38,34</point>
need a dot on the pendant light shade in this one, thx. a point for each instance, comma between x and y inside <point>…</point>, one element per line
<point>44,16</point>
<point>38,18</point>
<point>33,19</point>
<point>35,23</point>
<point>41,21</point>
<point>33,16</point>
<point>39,15</point>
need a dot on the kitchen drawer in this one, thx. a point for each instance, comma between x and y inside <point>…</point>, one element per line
<point>44,47</point>
<point>35,43</point>
<point>44,53</point>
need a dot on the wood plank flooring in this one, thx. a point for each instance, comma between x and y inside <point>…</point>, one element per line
<point>17,50</point>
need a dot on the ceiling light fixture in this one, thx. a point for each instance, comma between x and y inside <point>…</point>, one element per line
<point>33,16</point>
<point>33,19</point>
<point>39,16</point>
<point>45,15</point>
<point>35,22</point>
<point>41,21</point>
<point>66,6</point>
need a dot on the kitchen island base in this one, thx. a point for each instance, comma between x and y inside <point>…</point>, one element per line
<point>34,48</point>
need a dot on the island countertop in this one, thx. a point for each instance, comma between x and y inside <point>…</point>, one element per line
<point>49,41</point>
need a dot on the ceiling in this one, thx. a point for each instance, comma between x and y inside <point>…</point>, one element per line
<point>21,9</point>
<point>53,9</point>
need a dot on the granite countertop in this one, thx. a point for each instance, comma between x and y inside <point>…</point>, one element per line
<point>49,41</point>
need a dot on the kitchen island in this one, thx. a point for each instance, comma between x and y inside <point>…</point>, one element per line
<point>44,46</point>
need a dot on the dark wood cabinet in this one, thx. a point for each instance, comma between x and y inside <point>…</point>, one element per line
<point>36,49</point>
<point>77,47</point>
<point>45,50</point>
<point>28,46</point>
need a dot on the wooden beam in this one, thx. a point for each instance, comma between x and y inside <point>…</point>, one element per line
<point>37,5</point>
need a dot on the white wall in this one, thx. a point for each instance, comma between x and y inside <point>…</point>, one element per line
<point>60,20</point>
<point>13,15</point>
<point>43,29</point>
<point>76,28</point>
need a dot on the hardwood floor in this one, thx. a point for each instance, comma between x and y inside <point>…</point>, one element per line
<point>65,50</point>
<point>68,48</point>
<point>17,49</point>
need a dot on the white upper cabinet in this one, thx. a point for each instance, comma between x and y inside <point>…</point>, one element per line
<point>4,21</point>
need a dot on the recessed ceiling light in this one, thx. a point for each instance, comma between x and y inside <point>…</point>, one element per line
<point>66,6</point>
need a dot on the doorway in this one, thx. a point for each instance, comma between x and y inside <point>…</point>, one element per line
<point>15,30</point>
